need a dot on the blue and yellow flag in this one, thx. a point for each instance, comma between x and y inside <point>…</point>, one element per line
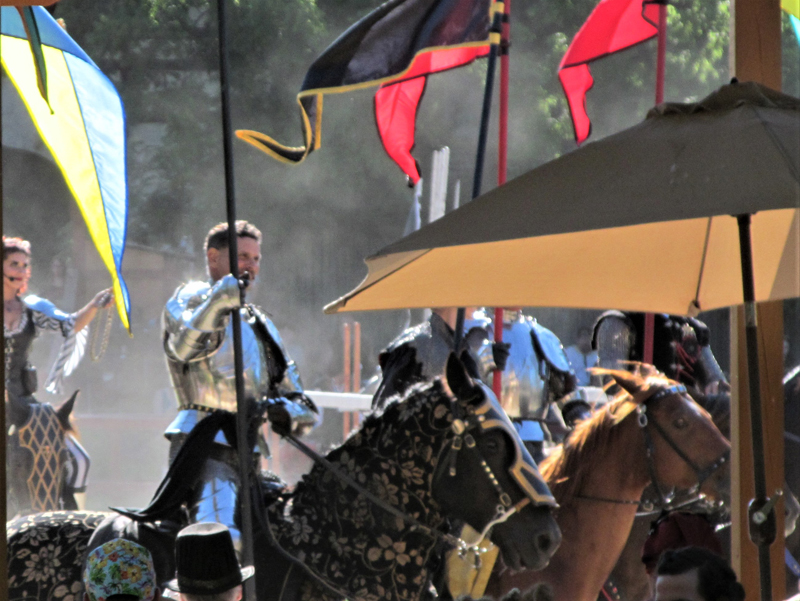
<point>82,122</point>
<point>792,7</point>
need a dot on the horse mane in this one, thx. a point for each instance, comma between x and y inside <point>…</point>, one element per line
<point>567,467</point>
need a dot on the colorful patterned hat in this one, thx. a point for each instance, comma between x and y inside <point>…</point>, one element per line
<point>120,567</point>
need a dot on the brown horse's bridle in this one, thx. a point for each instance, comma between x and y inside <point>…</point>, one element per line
<point>702,473</point>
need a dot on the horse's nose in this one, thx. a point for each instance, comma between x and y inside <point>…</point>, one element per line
<point>548,541</point>
<point>544,543</point>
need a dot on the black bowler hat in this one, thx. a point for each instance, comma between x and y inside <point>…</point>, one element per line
<point>206,561</point>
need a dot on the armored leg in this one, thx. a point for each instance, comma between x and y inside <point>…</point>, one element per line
<point>215,497</point>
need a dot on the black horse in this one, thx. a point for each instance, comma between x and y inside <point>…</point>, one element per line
<point>326,540</point>
<point>37,456</point>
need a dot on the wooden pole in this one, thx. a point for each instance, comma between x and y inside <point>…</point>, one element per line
<point>755,55</point>
<point>346,375</point>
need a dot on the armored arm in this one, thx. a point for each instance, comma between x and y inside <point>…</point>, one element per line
<point>289,409</point>
<point>196,317</point>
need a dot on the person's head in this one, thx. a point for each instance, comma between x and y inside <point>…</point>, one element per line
<point>584,340</point>
<point>696,574</point>
<point>16,265</point>
<point>249,247</point>
<point>206,565</point>
<point>120,570</point>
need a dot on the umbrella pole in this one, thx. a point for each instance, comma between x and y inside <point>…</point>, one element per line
<point>494,36</point>
<point>245,452</point>
<point>761,515</point>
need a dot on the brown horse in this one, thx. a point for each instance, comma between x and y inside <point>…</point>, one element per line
<point>651,432</point>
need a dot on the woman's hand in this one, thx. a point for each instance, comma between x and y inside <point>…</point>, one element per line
<point>86,315</point>
<point>103,298</point>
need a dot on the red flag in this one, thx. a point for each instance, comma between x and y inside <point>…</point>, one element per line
<point>396,103</point>
<point>614,25</point>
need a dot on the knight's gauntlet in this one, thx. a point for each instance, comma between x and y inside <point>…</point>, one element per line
<point>196,329</point>
<point>296,415</point>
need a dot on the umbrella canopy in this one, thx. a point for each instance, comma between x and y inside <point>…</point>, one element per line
<point>82,121</point>
<point>641,220</point>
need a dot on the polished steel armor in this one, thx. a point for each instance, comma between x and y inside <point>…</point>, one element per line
<point>535,363</point>
<point>198,342</point>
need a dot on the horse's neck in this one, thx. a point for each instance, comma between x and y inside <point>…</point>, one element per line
<point>595,532</point>
<point>349,541</point>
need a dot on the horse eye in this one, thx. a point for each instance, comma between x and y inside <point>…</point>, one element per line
<point>681,423</point>
<point>492,446</point>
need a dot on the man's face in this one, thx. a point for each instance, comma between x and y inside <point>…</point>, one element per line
<point>249,259</point>
<point>682,587</point>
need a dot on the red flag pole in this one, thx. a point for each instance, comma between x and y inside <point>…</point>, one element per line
<point>502,160</point>
<point>661,55</point>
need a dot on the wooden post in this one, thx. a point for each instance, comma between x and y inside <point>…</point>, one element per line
<point>355,417</point>
<point>346,375</point>
<point>755,55</point>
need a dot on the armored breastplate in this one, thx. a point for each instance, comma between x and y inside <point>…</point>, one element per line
<point>524,387</point>
<point>209,381</point>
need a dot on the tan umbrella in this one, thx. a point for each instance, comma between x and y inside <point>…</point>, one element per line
<point>696,208</point>
<point>641,220</point>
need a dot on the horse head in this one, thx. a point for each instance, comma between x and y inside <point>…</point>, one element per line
<point>683,446</point>
<point>37,454</point>
<point>488,478</point>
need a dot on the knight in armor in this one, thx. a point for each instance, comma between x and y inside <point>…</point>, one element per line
<point>420,353</point>
<point>25,317</point>
<point>681,348</point>
<point>198,342</point>
<point>537,380</point>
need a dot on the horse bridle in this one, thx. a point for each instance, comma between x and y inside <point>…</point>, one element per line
<point>463,439</point>
<point>702,473</point>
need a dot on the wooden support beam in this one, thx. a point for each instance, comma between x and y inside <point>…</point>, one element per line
<point>755,55</point>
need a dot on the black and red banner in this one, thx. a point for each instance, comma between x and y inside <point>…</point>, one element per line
<point>395,46</point>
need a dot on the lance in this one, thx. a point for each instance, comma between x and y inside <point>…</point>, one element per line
<point>661,54</point>
<point>245,452</point>
<point>494,40</point>
<point>502,160</point>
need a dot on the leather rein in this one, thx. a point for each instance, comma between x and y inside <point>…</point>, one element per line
<point>702,473</point>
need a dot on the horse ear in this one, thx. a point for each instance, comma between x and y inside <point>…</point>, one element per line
<point>458,378</point>
<point>629,382</point>
<point>65,409</point>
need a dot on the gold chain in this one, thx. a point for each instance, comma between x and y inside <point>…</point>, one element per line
<point>96,356</point>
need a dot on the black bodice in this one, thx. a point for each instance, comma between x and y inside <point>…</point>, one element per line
<point>17,350</point>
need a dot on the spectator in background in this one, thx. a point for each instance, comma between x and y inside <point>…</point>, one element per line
<point>206,565</point>
<point>696,574</point>
<point>677,530</point>
<point>581,356</point>
<point>120,570</point>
